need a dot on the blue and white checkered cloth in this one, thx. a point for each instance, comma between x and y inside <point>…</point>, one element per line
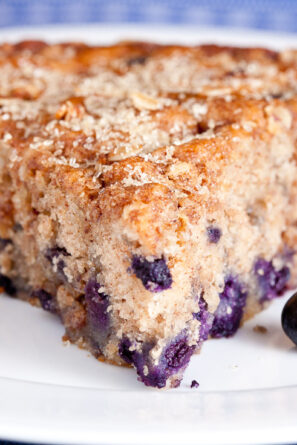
<point>280,15</point>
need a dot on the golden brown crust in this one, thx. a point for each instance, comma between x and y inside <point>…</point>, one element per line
<point>107,147</point>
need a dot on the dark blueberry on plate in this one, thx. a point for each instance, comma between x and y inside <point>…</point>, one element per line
<point>289,318</point>
<point>214,234</point>
<point>155,275</point>
<point>194,384</point>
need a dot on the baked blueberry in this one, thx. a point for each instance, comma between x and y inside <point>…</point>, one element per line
<point>178,353</point>
<point>214,234</point>
<point>155,275</point>
<point>17,227</point>
<point>7,285</point>
<point>97,304</point>
<point>138,60</point>
<point>194,384</point>
<point>137,354</point>
<point>289,318</point>
<point>272,282</point>
<point>205,318</point>
<point>46,300</point>
<point>57,252</point>
<point>124,351</point>
<point>4,242</point>
<point>230,310</point>
<point>175,356</point>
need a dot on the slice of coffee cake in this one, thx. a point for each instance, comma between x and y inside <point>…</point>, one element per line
<point>147,193</point>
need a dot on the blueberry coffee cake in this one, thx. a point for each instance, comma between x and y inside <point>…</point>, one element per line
<point>147,192</point>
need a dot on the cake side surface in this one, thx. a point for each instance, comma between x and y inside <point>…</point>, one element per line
<point>147,192</point>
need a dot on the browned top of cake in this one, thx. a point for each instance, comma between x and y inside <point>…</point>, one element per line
<point>122,124</point>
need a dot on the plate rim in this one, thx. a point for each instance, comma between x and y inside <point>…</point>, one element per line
<point>33,395</point>
<point>110,31</point>
<point>38,428</point>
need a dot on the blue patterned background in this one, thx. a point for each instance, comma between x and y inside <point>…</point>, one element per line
<point>278,15</point>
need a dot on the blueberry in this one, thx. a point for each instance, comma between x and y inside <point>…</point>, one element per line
<point>57,252</point>
<point>155,275</point>
<point>7,285</point>
<point>194,384</point>
<point>205,318</point>
<point>175,356</point>
<point>214,234</point>
<point>288,254</point>
<point>289,318</point>
<point>137,354</point>
<point>54,252</point>
<point>46,300</point>
<point>272,282</point>
<point>124,351</point>
<point>230,310</point>
<point>17,227</point>
<point>97,304</point>
<point>178,354</point>
<point>138,60</point>
<point>4,242</point>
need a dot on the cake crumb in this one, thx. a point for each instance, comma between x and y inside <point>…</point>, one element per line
<point>235,367</point>
<point>260,329</point>
<point>65,340</point>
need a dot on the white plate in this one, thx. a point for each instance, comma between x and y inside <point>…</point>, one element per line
<point>56,394</point>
